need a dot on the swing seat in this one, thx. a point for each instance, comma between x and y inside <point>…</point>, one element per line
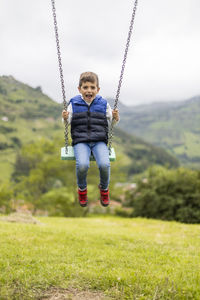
<point>70,154</point>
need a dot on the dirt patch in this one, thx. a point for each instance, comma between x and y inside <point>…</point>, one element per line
<point>20,218</point>
<point>71,294</point>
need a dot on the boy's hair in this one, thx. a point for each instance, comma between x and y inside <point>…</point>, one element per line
<point>88,76</point>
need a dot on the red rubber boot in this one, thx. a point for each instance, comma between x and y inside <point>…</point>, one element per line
<point>104,197</point>
<point>82,197</point>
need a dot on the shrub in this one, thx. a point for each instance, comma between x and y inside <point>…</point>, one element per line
<point>60,202</point>
<point>5,198</point>
<point>6,129</point>
<point>168,195</point>
<point>4,146</point>
<point>123,212</point>
<point>16,142</point>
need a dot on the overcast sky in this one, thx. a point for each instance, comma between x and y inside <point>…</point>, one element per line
<point>163,61</point>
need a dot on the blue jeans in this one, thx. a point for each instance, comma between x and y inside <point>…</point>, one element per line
<point>82,152</point>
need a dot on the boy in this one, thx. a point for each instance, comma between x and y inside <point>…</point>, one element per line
<point>90,115</point>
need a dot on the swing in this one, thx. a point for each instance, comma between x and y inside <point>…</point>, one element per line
<point>70,154</point>
<point>67,152</point>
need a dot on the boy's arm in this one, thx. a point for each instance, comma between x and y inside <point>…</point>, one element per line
<point>112,115</point>
<point>67,115</point>
<point>115,115</point>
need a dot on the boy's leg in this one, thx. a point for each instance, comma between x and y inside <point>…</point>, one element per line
<point>82,153</point>
<point>101,154</point>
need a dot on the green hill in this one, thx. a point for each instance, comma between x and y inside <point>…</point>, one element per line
<point>172,126</point>
<point>28,115</point>
<point>20,100</point>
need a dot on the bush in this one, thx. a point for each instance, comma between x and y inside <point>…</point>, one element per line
<point>4,146</point>
<point>60,202</point>
<point>6,195</point>
<point>168,195</point>
<point>123,212</point>
<point>16,142</point>
<point>6,129</point>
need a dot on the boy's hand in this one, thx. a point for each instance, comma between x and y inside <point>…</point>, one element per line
<point>115,114</point>
<point>65,114</point>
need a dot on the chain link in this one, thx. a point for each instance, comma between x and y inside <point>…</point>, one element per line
<point>122,70</point>
<point>65,104</point>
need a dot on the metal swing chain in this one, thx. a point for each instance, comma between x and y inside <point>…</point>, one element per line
<point>122,70</point>
<point>65,104</point>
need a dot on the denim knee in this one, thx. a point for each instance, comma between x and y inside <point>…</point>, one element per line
<point>82,168</point>
<point>104,167</point>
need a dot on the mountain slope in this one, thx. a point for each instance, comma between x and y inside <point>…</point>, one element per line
<point>19,99</point>
<point>173,126</point>
<point>27,115</point>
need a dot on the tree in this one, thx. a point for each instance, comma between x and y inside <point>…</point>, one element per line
<point>6,195</point>
<point>168,195</point>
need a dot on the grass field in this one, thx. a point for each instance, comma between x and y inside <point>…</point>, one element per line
<point>99,258</point>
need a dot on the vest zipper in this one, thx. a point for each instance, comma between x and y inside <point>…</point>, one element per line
<point>89,127</point>
<point>89,122</point>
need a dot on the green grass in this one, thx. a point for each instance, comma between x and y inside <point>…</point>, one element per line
<point>123,258</point>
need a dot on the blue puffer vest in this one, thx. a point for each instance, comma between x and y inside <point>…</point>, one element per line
<point>89,122</point>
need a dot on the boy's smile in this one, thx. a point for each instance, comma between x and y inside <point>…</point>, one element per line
<point>89,91</point>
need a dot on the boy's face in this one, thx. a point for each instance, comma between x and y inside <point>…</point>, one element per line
<point>89,90</point>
